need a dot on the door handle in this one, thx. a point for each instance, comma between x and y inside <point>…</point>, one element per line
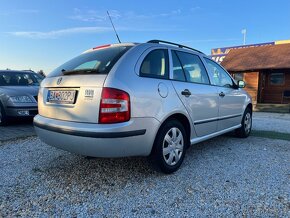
<point>222,94</point>
<point>186,93</point>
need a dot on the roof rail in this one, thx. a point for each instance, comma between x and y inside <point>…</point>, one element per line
<point>172,43</point>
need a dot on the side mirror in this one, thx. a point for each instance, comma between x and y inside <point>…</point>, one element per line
<point>241,84</point>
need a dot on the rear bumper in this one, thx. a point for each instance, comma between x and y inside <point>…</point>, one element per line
<point>133,138</point>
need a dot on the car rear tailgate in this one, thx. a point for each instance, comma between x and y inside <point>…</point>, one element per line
<point>84,107</point>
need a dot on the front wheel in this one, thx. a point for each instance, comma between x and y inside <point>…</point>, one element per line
<point>245,130</point>
<point>169,147</point>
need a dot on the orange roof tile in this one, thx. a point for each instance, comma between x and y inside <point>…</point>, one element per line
<point>258,58</point>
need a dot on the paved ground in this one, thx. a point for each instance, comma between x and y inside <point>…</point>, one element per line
<point>271,122</point>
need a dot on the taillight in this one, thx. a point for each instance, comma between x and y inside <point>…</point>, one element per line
<point>114,106</point>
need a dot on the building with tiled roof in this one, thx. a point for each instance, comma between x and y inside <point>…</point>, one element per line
<point>265,69</point>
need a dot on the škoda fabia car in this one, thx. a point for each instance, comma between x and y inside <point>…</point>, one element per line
<point>150,99</point>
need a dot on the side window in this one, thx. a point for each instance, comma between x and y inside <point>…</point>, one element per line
<point>178,73</point>
<point>155,64</point>
<point>193,68</point>
<point>219,76</point>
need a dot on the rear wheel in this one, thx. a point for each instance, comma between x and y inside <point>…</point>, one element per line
<point>245,130</point>
<point>169,147</point>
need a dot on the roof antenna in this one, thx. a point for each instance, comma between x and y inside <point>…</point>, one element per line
<point>114,27</point>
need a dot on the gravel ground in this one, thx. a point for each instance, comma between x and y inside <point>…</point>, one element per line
<point>225,176</point>
<point>271,122</point>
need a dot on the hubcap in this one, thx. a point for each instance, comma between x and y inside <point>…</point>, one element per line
<point>248,123</point>
<point>173,145</point>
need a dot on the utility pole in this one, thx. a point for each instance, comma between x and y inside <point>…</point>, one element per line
<point>244,32</point>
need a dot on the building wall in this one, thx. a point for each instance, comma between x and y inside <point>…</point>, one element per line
<point>261,88</point>
<point>252,83</point>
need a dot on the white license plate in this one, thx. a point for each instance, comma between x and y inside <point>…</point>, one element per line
<point>61,96</point>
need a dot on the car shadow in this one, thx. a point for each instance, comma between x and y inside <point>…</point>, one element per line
<point>20,121</point>
<point>109,174</point>
<point>70,171</point>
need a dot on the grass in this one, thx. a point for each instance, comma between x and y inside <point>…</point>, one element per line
<point>271,134</point>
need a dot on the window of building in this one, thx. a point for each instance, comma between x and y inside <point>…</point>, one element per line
<point>277,78</point>
<point>155,64</point>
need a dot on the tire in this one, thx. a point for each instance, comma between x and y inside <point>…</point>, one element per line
<point>245,130</point>
<point>169,147</point>
<point>3,117</point>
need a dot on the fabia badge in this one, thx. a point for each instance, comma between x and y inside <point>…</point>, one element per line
<point>59,81</point>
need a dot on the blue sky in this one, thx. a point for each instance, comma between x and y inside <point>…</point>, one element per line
<point>42,34</point>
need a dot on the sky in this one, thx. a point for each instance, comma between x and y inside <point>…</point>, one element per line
<point>43,34</point>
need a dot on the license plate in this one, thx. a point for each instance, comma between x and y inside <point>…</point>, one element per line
<point>61,97</point>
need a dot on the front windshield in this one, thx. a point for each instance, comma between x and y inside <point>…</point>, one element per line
<point>11,78</point>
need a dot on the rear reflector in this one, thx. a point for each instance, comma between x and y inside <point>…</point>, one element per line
<point>114,106</point>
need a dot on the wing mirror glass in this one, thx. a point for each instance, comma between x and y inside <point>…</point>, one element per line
<point>241,84</point>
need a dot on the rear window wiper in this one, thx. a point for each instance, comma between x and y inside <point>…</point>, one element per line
<point>81,71</point>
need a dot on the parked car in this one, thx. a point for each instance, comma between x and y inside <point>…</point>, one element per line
<point>18,94</point>
<point>149,99</point>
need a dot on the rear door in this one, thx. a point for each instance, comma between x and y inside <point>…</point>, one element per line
<point>231,100</point>
<point>192,85</point>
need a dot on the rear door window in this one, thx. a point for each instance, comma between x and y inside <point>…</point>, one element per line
<point>178,73</point>
<point>155,64</point>
<point>192,67</point>
<point>99,61</point>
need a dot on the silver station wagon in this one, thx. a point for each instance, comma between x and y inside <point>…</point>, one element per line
<point>150,99</point>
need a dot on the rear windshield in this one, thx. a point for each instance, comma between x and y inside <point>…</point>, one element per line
<point>11,78</point>
<point>99,61</point>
